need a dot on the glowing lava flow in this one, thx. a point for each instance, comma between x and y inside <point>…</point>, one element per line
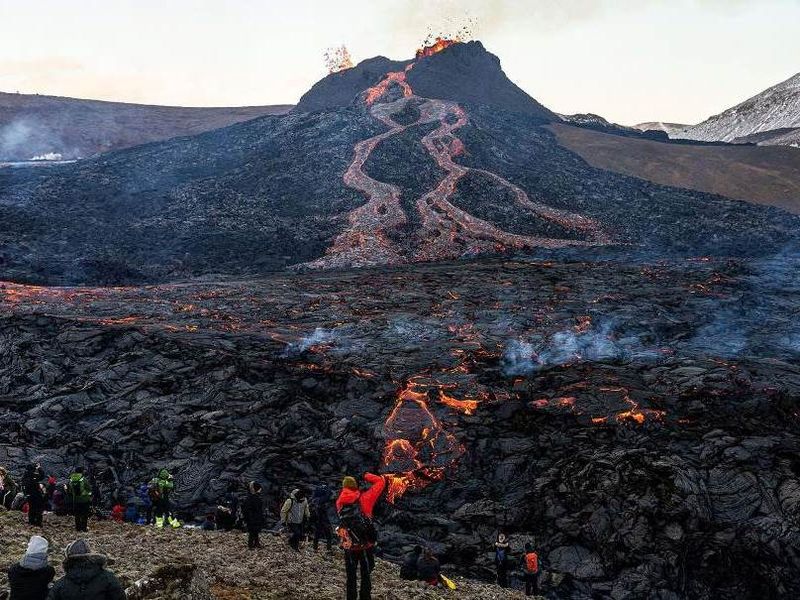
<point>418,449</point>
<point>447,231</point>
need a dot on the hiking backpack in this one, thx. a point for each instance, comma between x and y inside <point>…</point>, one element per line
<point>531,563</point>
<point>77,489</point>
<point>356,530</point>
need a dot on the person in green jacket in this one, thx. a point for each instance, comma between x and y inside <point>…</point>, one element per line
<point>164,487</point>
<point>81,494</point>
<point>85,576</point>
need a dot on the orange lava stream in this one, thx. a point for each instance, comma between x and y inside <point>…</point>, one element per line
<point>418,449</point>
<point>448,231</point>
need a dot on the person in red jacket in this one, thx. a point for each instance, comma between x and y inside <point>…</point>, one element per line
<point>357,533</point>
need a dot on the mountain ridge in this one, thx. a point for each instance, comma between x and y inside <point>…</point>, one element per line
<point>776,108</point>
<point>33,125</point>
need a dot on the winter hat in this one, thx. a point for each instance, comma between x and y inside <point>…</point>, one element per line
<point>350,483</point>
<point>36,554</point>
<point>79,547</point>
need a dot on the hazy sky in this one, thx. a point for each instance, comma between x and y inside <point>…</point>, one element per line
<point>628,60</point>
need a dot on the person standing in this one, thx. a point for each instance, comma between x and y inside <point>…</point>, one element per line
<point>530,570</point>
<point>253,514</point>
<point>81,495</point>
<point>8,488</point>
<point>320,501</point>
<point>144,494</point>
<point>32,486</point>
<point>294,515</point>
<point>357,532</point>
<point>162,506</point>
<point>31,576</point>
<point>85,576</point>
<point>501,560</point>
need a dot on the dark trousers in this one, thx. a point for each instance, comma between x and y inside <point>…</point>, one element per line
<point>502,576</point>
<point>322,530</point>
<point>353,559</point>
<point>81,511</point>
<point>531,584</point>
<point>35,511</point>
<point>296,535</point>
<point>162,508</point>
<point>148,514</point>
<point>252,537</point>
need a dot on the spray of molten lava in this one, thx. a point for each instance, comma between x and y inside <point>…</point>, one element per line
<point>431,47</point>
<point>338,59</point>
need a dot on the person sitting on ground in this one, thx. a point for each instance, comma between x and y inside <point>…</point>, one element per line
<point>409,568</point>
<point>209,522</point>
<point>501,560</point>
<point>253,514</point>
<point>428,569</point>
<point>31,576</point>
<point>357,532</point>
<point>132,512</point>
<point>58,501</point>
<point>294,515</point>
<point>85,576</point>
<point>118,513</point>
<point>530,570</point>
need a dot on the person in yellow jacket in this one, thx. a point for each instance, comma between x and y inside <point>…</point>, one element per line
<point>164,486</point>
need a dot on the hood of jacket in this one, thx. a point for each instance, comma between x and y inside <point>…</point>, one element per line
<point>84,568</point>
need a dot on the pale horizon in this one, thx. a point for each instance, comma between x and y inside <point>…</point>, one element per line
<point>627,61</point>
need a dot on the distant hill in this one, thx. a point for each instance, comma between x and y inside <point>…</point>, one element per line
<point>768,176</point>
<point>52,127</point>
<point>774,114</point>
<point>668,128</point>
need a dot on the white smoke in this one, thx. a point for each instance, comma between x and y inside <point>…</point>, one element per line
<point>14,137</point>
<point>568,346</point>
<point>319,336</point>
<point>48,156</point>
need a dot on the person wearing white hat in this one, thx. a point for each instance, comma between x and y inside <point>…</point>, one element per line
<point>31,576</point>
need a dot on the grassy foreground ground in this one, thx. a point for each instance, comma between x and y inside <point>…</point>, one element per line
<point>197,565</point>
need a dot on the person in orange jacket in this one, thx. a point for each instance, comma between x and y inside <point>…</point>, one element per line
<point>357,532</point>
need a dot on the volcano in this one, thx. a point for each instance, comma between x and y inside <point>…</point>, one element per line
<point>410,274</point>
<point>436,158</point>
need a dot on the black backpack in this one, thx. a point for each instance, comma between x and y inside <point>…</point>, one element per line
<point>356,530</point>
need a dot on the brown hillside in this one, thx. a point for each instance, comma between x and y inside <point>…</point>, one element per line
<point>758,174</point>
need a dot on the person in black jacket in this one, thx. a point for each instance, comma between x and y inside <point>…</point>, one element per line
<point>428,569</point>
<point>253,514</point>
<point>409,568</point>
<point>321,501</point>
<point>85,576</point>
<point>32,486</point>
<point>30,578</point>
